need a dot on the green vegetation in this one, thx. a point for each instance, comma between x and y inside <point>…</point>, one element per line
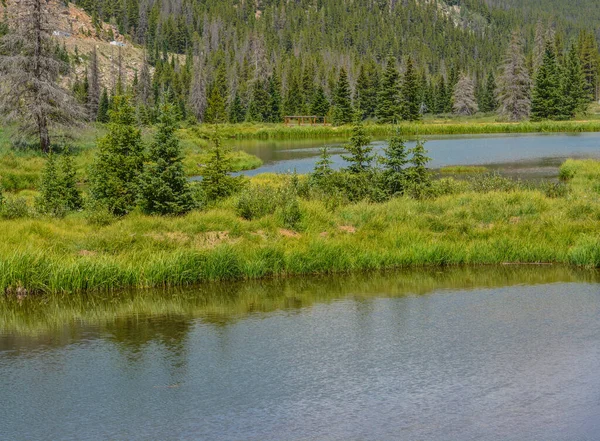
<point>219,303</point>
<point>463,169</point>
<point>491,220</point>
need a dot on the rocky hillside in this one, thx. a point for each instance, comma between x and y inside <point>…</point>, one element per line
<point>74,28</point>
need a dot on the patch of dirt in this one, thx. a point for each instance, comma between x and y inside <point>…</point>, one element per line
<point>348,229</point>
<point>324,234</point>
<point>289,233</point>
<point>515,220</point>
<point>212,238</point>
<point>87,253</point>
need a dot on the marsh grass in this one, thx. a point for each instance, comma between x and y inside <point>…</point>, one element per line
<point>494,224</point>
<point>222,303</point>
<point>463,169</point>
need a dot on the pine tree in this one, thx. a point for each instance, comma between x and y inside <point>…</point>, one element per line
<point>342,100</point>
<point>394,165</point>
<point>514,85</point>
<point>119,164</point>
<point>417,175</point>
<point>217,182</point>
<point>590,63</point>
<point>274,105</point>
<point>464,97</point>
<point>573,92</point>
<point>360,150</point>
<point>68,182</point>
<point>441,96</point>
<point>410,93</point>
<point>323,166</point>
<point>320,104</point>
<point>293,99</point>
<point>237,112</point>
<point>389,106</point>
<point>546,100</point>
<point>216,108</point>
<point>51,197</point>
<point>489,103</point>
<point>366,89</point>
<point>164,188</point>
<point>258,110</point>
<point>103,108</point>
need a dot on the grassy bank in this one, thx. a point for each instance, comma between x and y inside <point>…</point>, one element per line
<point>226,302</point>
<point>476,226</point>
<point>424,128</point>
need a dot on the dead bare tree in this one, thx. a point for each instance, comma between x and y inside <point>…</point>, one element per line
<point>94,85</point>
<point>30,71</point>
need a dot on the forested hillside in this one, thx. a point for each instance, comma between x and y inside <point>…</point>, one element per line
<point>394,60</point>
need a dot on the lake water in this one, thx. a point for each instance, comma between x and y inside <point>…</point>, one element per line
<point>528,156</point>
<point>507,353</point>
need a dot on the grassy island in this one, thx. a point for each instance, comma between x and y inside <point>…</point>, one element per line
<point>465,224</point>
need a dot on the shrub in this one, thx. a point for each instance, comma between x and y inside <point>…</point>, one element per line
<point>556,190</point>
<point>14,208</point>
<point>256,201</point>
<point>567,171</point>
<point>488,182</point>
<point>97,213</point>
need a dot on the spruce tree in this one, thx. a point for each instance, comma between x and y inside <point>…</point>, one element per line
<point>51,197</point>
<point>164,188</point>
<point>258,109</point>
<point>216,107</point>
<point>322,166</point>
<point>389,106</point>
<point>573,87</point>
<point>236,110</point>
<point>119,165</point>
<point>441,96</point>
<point>320,104</point>
<point>417,175</point>
<point>217,182</point>
<point>489,103</point>
<point>342,100</point>
<point>546,99</point>
<point>394,165</point>
<point>411,98</point>
<point>293,99</point>
<point>103,108</point>
<point>360,150</point>
<point>366,89</point>
<point>68,182</point>
<point>274,104</point>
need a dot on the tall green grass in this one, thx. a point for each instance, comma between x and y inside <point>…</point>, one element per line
<point>280,131</point>
<point>507,224</point>
<point>225,302</point>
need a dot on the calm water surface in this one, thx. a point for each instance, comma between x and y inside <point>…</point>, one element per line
<point>530,155</point>
<point>463,354</point>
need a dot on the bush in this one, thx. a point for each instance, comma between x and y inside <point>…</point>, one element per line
<point>556,190</point>
<point>291,214</point>
<point>256,201</point>
<point>97,213</point>
<point>493,182</point>
<point>14,208</point>
<point>567,171</point>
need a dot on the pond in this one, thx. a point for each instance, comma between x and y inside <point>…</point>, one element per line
<point>526,156</point>
<point>504,353</point>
